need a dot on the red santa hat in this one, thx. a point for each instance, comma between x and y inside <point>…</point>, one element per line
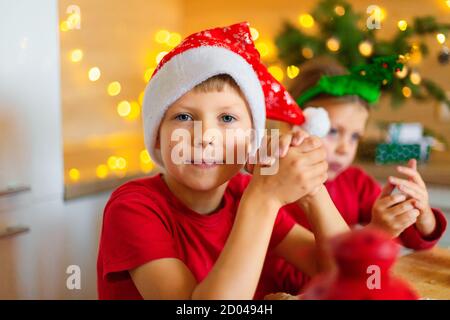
<point>228,50</point>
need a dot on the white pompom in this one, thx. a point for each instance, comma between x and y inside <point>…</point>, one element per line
<point>317,122</point>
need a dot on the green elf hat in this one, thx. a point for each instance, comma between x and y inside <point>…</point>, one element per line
<point>364,81</point>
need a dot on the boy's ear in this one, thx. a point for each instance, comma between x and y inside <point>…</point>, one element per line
<point>157,142</point>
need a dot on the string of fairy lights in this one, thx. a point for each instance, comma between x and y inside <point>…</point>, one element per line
<point>366,47</point>
<point>130,110</point>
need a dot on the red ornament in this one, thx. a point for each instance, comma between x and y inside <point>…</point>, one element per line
<point>364,258</point>
<point>385,65</point>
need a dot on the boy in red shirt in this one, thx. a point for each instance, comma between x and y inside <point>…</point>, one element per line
<point>358,197</point>
<point>201,229</point>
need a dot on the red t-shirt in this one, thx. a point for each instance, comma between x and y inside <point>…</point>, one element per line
<point>354,193</point>
<point>144,221</point>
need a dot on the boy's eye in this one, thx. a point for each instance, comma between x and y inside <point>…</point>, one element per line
<point>332,132</point>
<point>183,117</point>
<point>228,118</point>
<point>356,137</point>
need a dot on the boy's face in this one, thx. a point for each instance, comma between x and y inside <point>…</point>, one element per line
<point>218,113</point>
<point>348,121</point>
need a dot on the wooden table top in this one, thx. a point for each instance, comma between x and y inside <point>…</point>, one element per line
<point>427,271</point>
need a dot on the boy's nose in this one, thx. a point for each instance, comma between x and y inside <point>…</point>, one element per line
<point>204,141</point>
<point>343,146</point>
<point>206,136</point>
<point>207,140</point>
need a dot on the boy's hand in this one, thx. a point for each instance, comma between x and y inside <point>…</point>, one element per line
<point>302,168</point>
<point>393,213</point>
<point>294,139</point>
<point>286,140</point>
<point>415,188</point>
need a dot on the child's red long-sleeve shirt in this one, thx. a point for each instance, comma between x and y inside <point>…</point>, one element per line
<point>354,193</point>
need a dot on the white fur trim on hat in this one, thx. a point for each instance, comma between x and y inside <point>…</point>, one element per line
<point>186,70</point>
<point>317,121</point>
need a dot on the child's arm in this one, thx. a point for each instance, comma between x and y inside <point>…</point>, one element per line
<point>326,222</point>
<point>310,252</point>
<point>237,270</point>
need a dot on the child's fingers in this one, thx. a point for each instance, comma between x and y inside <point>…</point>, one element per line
<point>413,193</point>
<point>297,137</point>
<point>406,219</point>
<point>262,159</point>
<point>285,143</point>
<point>401,208</point>
<point>294,138</point>
<point>412,163</point>
<point>314,176</point>
<point>313,157</point>
<point>422,206</point>
<point>386,191</point>
<point>316,170</point>
<point>409,184</point>
<point>413,174</point>
<point>391,200</point>
<point>310,143</point>
<point>268,146</point>
<point>300,129</point>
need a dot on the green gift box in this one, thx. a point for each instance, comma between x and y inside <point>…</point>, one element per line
<point>387,153</point>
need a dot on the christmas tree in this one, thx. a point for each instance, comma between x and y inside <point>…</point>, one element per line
<point>346,35</point>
